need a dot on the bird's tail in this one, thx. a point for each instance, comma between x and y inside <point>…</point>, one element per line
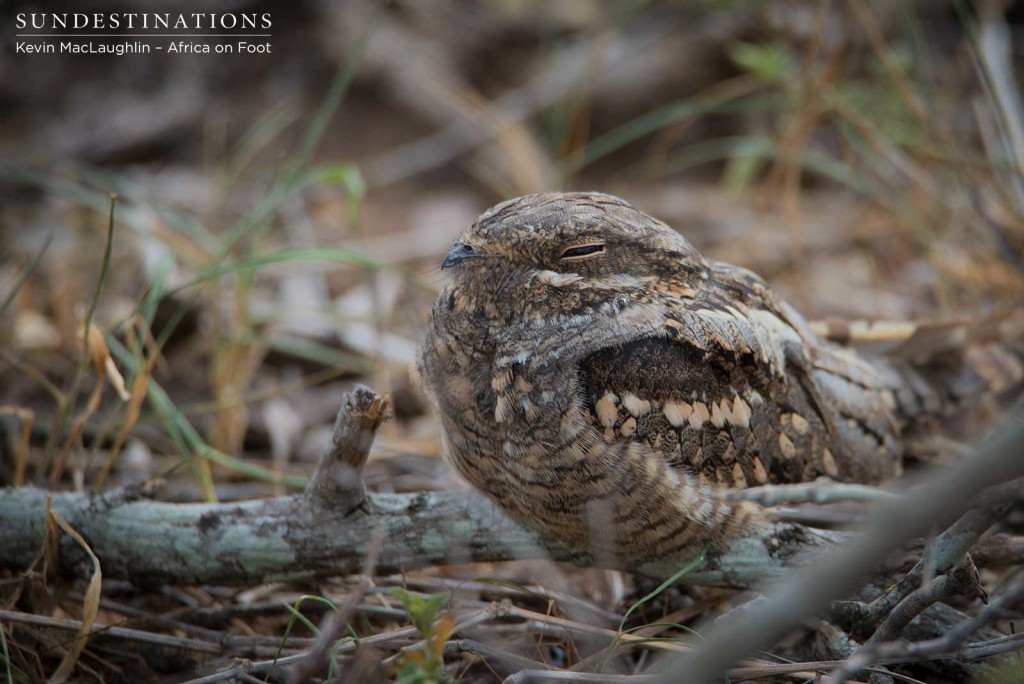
<point>959,376</point>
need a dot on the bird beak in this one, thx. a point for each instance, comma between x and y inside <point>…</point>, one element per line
<point>462,252</point>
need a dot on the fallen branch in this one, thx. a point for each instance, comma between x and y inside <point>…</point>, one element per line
<point>328,530</point>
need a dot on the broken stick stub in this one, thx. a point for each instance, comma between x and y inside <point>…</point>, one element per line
<point>337,484</point>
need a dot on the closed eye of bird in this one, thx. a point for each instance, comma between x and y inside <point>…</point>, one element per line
<point>583,251</point>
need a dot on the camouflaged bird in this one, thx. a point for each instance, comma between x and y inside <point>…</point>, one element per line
<point>600,379</point>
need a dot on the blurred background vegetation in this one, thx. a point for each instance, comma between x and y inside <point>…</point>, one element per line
<point>280,218</point>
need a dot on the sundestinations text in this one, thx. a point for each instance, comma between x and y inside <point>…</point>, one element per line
<point>141,20</point>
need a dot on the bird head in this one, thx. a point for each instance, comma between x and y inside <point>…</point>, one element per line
<point>564,252</point>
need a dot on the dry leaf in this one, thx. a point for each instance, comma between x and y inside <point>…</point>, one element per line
<point>90,604</point>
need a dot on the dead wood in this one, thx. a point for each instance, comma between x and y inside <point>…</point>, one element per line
<point>328,530</point>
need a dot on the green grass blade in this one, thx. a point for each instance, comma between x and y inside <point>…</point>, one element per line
<point>300,254</point>
<point>23,278</point>
<point>184,435</point>
<point>104,271</point>
<point>661,117</point>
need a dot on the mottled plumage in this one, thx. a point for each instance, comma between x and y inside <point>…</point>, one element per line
<point>599,378</point>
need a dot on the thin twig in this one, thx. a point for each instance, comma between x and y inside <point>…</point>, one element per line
<point>820,491</point>
<point>524,676</point>
<point>110,631</point>
<point>509,590</point>
<point>507,658</point>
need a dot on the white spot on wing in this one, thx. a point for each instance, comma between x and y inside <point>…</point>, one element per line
<point>700,415</point>
<point>676,412</point>
<point>635,405</point>
<point>741,413</point>
<point>606,411</point>
<point>628,428</point>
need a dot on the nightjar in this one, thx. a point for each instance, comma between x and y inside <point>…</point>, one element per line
<point>600,379</point>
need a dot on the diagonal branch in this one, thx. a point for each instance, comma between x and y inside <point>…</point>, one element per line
<point>809,591</point>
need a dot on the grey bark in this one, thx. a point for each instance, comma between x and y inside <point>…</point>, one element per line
<point>328,529</point>
<point>253,542</point>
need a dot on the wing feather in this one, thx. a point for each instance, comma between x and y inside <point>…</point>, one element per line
<point>724,414</point>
